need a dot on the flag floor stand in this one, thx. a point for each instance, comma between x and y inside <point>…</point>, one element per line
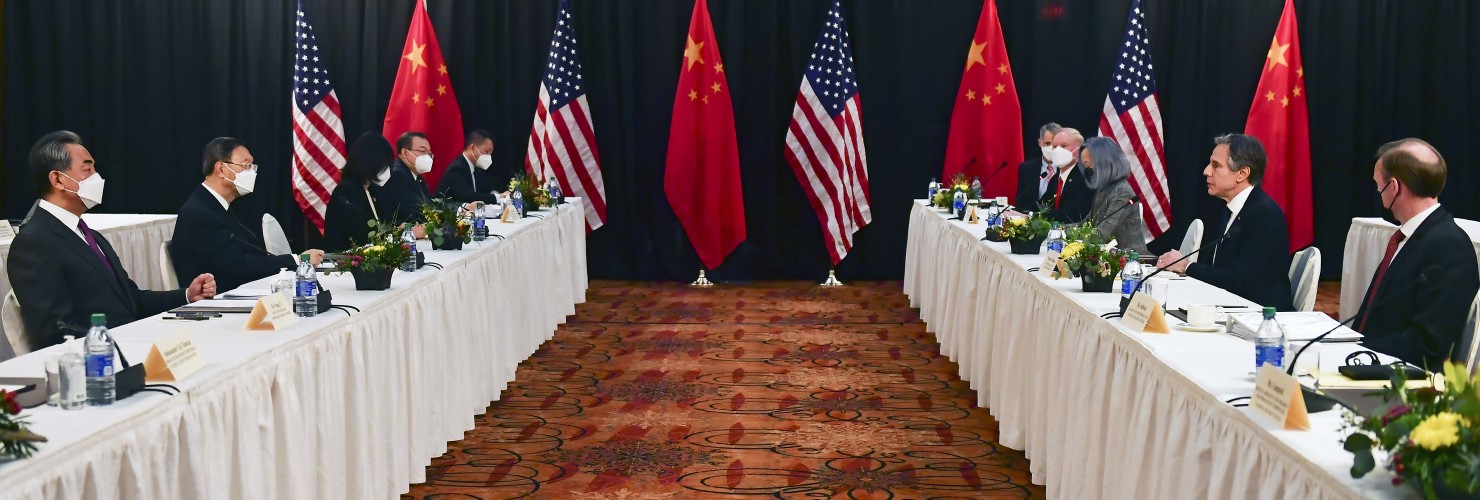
<point>832,279</point>
<point>702,281</point>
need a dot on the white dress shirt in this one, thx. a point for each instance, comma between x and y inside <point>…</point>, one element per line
<point>1236,205</point>
<point>1044,173</point>
<point>225,205</point>
<point>1412,225</point>
<point>68,218</point>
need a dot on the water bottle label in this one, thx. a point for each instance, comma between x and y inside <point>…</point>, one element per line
<point>305,288</point>
<point>1269,354</point>
<point>99,365</point>
<point>1128,285</point>
<point>1057,246</point>
<point>478,223</point>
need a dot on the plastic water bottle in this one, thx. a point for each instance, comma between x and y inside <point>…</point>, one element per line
<point>305,290</point>
<point>1130,276</point>
<point>1269,342</point>
<point>1055,238</point>
<point>934,187</point>
<point>73,371</point>
<point>994,214</point>
<point>408,242</point>
<point>518,200</point>
<point>100,382</point>
<point>976,187</point>
<point>555,192</point>
<point>959,204</point>
<point>480,227</point>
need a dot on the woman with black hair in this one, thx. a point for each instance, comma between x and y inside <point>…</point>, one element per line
<point>353,204</point>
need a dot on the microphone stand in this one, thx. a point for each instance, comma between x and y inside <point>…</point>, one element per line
<point>1124,302</point>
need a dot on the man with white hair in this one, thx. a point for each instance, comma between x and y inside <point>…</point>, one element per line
<point>1068,197</point>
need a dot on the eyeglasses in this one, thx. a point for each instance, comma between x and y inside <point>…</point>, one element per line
<point>251,167</point>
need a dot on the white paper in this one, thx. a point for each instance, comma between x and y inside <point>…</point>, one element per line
<point>1298,326</point>
<point>245,293</point>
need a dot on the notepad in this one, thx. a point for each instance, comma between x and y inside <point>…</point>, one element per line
<point>245,293</point>
<point>218,306</point>
<point>1298,326</point>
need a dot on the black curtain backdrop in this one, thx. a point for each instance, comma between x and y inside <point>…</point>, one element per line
<point>147,83</point>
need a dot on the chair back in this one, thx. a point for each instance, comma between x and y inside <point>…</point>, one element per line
<point>15,329</point>
<point>1305,274</point>
<point>1470,344</point>
<point>167,265</point>
<point>1193,241</point>
<point>273,237</point>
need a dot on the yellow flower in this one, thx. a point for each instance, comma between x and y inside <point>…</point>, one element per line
<point>1016,221</point>
<point>1072,249</point>
<point>376,248</point>
<point>1437,431</point>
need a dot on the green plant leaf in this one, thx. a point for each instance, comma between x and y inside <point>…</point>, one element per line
<point>1357,441</point>
<point>370,223</point>
<point>1362,463</point>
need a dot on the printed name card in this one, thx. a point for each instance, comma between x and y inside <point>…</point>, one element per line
<point>6,232</point>
<point>1277,397</point>
<point>971,217</point>
<point>272,312</point>
<point>172,358</point>
<point>1144,314</point>
<point>1052,262</point>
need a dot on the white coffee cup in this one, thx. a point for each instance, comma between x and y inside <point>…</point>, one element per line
<point>1201,315</point>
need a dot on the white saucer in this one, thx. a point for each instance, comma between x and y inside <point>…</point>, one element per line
<point>1214,328</point>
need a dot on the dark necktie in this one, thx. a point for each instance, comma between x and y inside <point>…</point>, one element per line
<point>1222,224</point>
<point>93,243</point>
<point>1387,259</point>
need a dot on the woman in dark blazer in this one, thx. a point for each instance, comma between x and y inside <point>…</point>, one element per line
<point>353,204</point>
<point>1116,212</point>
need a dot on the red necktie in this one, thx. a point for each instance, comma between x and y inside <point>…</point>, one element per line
<point>1059,195</point>
<point>1387,258</point>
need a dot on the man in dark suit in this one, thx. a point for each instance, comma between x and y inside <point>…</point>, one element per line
<point>1255,261</point>
<point>62,270</point>
<point>468,178</point>
<point>209,238</point>
<point>406,191</point>
<point>1428,274</point>
<point>1033,173</point>
<point>1068,196</point>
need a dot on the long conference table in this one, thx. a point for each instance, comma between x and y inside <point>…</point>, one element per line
<point>136,238</point>
<point>336,406</point>
<point>1105,412</point>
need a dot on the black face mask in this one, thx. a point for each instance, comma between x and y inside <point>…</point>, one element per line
<point>1388,208</point>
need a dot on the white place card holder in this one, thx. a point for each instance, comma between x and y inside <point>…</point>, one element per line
<point>6,232</point>
<point>1277,397</point>
<point>272,312</point>
<point>1051,261</point>
<point>172,358</point>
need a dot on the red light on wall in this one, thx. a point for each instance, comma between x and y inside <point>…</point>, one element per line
<point>1053,10</point>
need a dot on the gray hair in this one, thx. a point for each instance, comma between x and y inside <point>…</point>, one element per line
<point>50,154</point>
<point>1244,151</point>
<point>1111,165</point>
<point>1049,128</point>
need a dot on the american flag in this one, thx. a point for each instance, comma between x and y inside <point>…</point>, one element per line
<point>1132,118</point>
<point>318,133</point>
<point>562,142</point>
<point>824,143</point>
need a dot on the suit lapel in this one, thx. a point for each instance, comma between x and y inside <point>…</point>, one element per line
<point>70,240</point>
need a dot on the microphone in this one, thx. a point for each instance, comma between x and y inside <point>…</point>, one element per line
<point>1233,231</point>
<point>1422,277</point>
<point>1133,201</point>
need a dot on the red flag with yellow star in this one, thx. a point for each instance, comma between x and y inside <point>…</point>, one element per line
<point>422,99</point>
<point>702,177</point>
<point>1279,120</point>
<point>986,138</point>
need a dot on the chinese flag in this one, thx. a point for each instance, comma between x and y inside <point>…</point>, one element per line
<point>987,123</point>
<point>422,99</point>
<point>1279,120</point>
<point>702,177</point>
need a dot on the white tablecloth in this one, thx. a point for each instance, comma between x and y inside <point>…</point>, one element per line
<point>1103,412</point>
<point>1365,243</point>
<point>136,238</point>
<point>333,407</point>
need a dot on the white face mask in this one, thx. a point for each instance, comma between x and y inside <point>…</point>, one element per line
<point>89,189</point>
<point>484,161</point>
<point>1060,157</point>
<point>423,164</point>
<point>245,182</point>
<point>1047,152</point>
<point>382,177</point>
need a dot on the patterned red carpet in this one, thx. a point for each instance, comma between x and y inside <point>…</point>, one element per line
<point>775,390</point>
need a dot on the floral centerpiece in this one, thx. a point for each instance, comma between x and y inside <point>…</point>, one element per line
<point>1025,234</point>
<point>373,262</point>
<point>1097,264</point>
<point>535,196</point>
<point>1431,436</point>
<point>945,197</point>
<point>446,230</point>
<point>16,441</point>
